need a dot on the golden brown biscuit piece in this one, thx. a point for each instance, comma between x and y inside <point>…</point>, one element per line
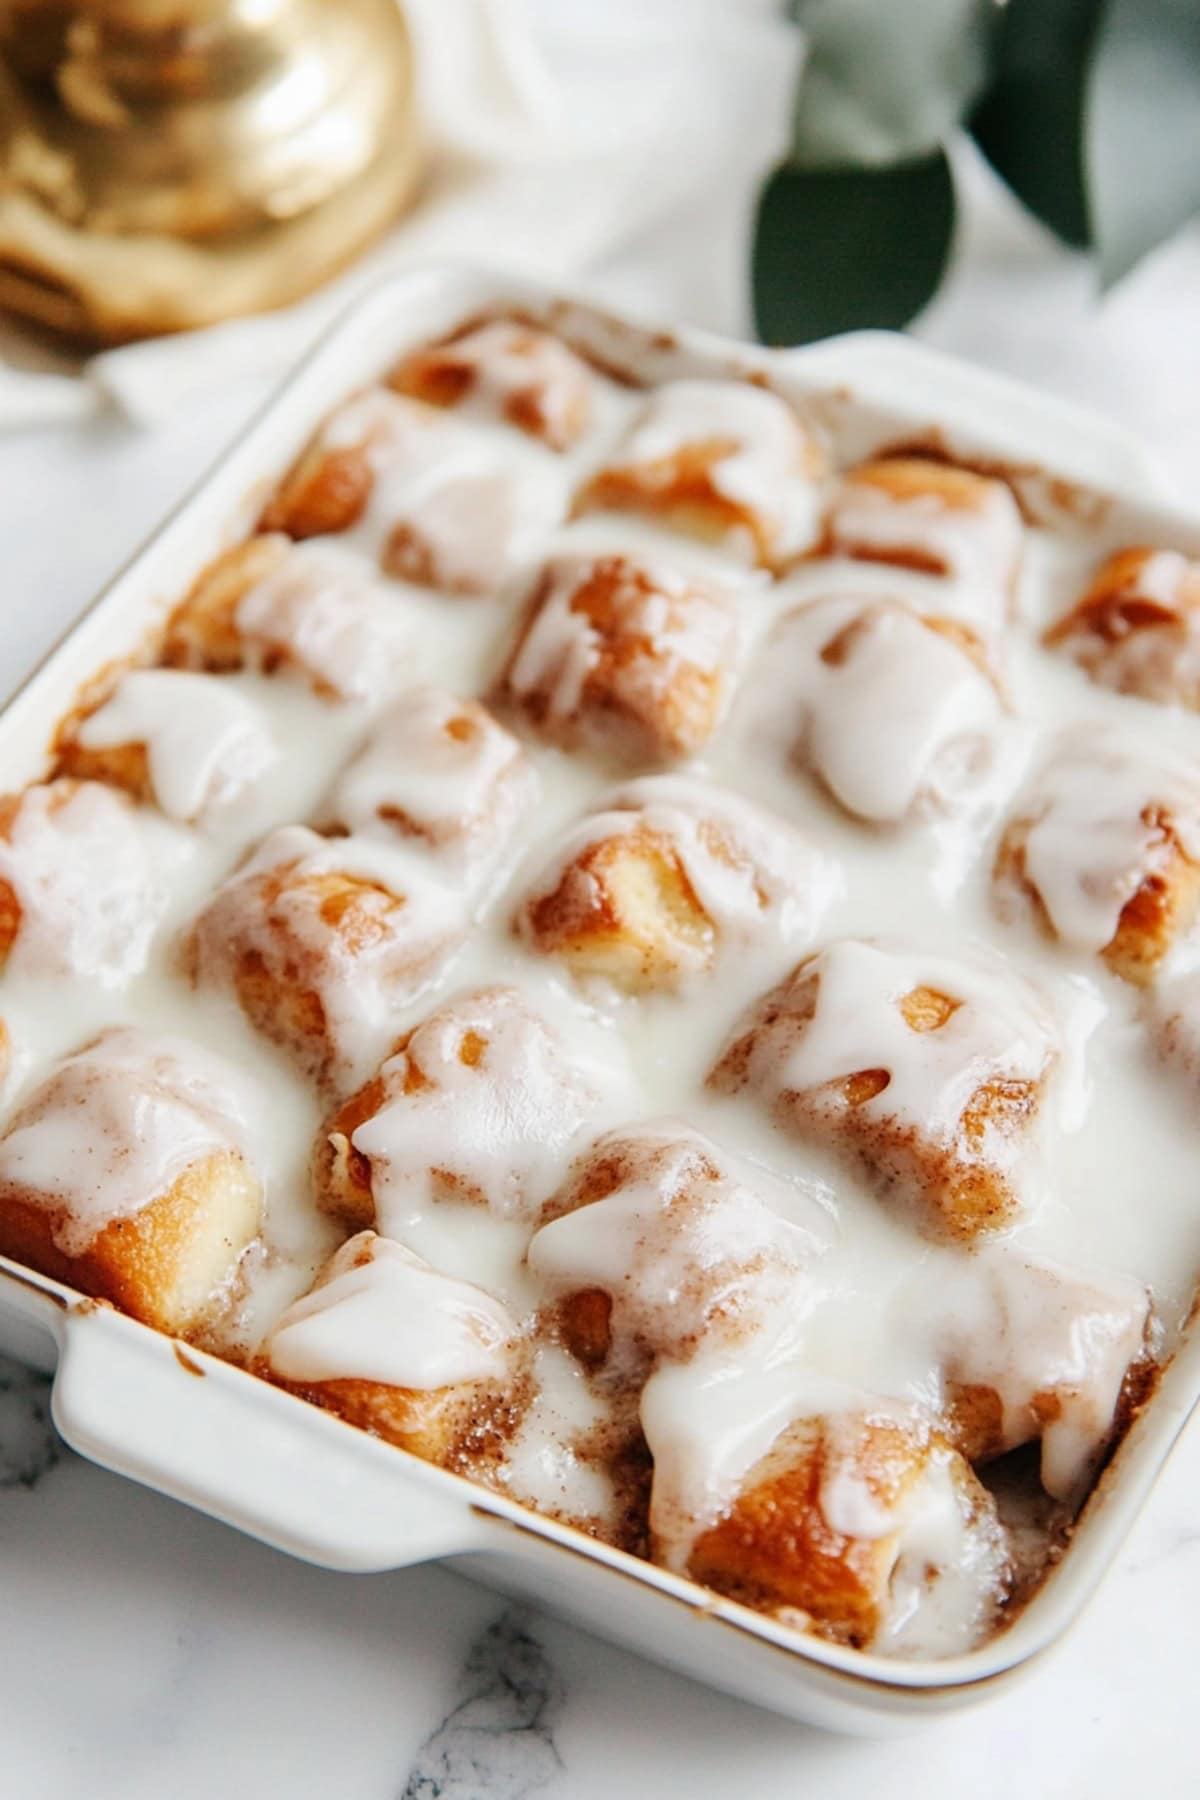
<point>932,517</point>
<point>439,774</point>
<point>1029,1350</point>
<point>1137,628</point>
<point>925,1070</point>
<point>322,941</point>
<point>647,893</point>
<point>477,1103</point>
<point>78,892</point>
<point>125,1175</point>
<point>439,506</point>
<point>824,1521</point>
<point>329,486</point>
<point>660,1242</point>
<point>625,656</point>
<point>188,744</point>
<point>724,461</point>
<point>203,632</point>
<point>1104,851</point>
<point>273,605</point>
<point>508,370</point>
<point>393,1346</point>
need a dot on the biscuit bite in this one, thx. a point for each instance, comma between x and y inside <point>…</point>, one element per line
<point>625,656</point>
<point>650,891</point>
<point>329,486</point>
<point>438,505</point>
<point>273,605</point>
<point>190,744</point>
<point>854,1519</point>
<point>924,1070</point>
<point>1137,628</point>
<point>322,942</point>
<point>1104,850</point>
<point>507,371</point>
<point>477,1104</point>
<point>935,518</point>
<point>727,462</point>
<point>893,712</point>
<point>126,1174</point>
<point>391,1345</point>
<point>659,1242</point>
<point>439,774</point>
<point>78,891</point>
<point>1031,1351</point>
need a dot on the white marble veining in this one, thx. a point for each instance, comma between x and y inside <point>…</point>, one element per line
<point>147,1651</point>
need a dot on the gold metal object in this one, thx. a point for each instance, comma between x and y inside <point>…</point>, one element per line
<point>170,163</point>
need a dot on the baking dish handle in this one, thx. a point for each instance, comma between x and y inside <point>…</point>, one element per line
<point>246,1453</point>
<point>893,371</point>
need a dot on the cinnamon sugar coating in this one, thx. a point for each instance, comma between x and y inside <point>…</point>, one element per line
<point>626,657</point>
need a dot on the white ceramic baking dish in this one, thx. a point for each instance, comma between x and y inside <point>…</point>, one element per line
<point>300,1479</point>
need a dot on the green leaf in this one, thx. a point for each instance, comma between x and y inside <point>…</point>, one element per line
<point>1029,122</point>
<point>1142,128</point>
<point>839,249</point>
<point>884,81</point>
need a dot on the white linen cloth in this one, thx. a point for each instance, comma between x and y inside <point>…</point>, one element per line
<point>556,132</point>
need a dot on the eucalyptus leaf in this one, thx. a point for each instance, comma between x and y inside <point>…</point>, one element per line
<point>1029,122</point>
<point>884,81</point>
<point>838,249</point>
<point>1142,128</point>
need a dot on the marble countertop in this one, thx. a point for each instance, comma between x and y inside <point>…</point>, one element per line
<point>146,1651</point>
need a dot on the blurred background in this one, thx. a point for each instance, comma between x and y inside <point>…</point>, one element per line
<point>1014,182</point>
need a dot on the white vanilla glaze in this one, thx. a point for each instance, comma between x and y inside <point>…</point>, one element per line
<point>1174,1018</point>
<point>473,511</point>
<point>475,521</point>
<point>511,365</point>
<point>384,424</point>
<point>1032,1330</point>
<point>271,909</point>
<point>684,1245</point>
<point>116,1125</point>
<point>885,709</point>
<point>321,609</point>
<point>951,1567</point>
<point>1168,578</point>
<point>999,1030</point>
<point>553,1461</point>
<point>439,773</point>
<point>90,896</point>
<point>751,873</point>
<point>378,1313</point>
<point>1116,1181</point>
<point>759,456</point>
<point>1092,826</point>
<point>660,626</point>
<point>485,1098</point>
<point>709,1420</point>
<point>978,545</point>
<point>204,741</point>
